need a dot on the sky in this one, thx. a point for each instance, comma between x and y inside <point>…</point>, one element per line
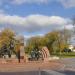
<point>36,17</point>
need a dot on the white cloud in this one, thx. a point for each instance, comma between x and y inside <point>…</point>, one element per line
<point>2,11</point>
<point>30,1</point>
<point>70,26</point>
<point>33,23</point>
<point>29,36</point>
<point>24,1</point>
<point>13,20</point>
<point>67,3</point>
<point>40,20</point>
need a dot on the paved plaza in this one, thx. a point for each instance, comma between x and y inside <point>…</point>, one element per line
<point>57,67</point>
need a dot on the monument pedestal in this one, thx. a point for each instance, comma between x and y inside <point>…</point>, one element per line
<point>46,59</point>
<point>22,54</point>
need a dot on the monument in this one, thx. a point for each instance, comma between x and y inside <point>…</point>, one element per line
<point>45,53</point>
<point>20,49</point>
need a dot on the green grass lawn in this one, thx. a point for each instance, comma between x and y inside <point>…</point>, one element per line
<point>65,55</point>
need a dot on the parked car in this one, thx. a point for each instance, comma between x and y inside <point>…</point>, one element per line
<point>67,50</point>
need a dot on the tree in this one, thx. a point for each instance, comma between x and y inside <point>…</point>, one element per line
<point>7,41</point>
<point>50,39</point>
<point>56,41</point>
<point>32,43</point>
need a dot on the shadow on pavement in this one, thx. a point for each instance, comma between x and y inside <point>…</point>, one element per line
<point>67,72</point>
<point>40,73</point>
<point>19,73</point>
